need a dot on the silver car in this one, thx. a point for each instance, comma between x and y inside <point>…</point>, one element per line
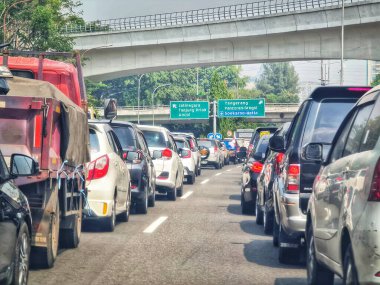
<point>214,154</point>
<point>343,225</point>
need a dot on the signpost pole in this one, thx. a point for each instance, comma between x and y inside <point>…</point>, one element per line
<point>214,116</point>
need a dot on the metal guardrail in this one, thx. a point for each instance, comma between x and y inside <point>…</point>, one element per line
<point>225,13</point>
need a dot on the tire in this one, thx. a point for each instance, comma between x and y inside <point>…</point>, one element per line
<point>268,221</point>
<point>44,257</point>
<point>22,256</point>
<point>142,205</point>
<point>217,165</point>
<point>172,194</point>
<point>190,180</point>
<point>284,254</point>
<point>110,222</point>
<point>180,190</point>
<point>246,207</point>
<point>124,217</point>
<point>199,170</point>
<point>316,273</point>
<point>350,275</point>
<point>276,229</point>
<point>259,213</point>
<point>152,198</point>
<point>70,238</point>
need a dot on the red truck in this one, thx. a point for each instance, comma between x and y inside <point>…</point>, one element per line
<point>48,121</point>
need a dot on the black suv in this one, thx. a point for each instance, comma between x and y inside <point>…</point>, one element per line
<point>257,134</point>
<point>140,164</point>
<point>265,183</point>
<point>317,120</point>
<point>15,221</point>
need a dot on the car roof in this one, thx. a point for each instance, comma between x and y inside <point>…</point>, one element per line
<point>99,126</point>
<point>324,92</point>
<point>177,138</point>
<point>152,128</point>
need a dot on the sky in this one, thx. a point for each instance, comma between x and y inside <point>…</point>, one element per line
<point>309,71</point>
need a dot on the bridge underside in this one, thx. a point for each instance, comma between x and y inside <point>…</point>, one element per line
<point>307,36</point>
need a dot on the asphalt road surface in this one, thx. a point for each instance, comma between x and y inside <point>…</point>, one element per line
<point>200,239</point>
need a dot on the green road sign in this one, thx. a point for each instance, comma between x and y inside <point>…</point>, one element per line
<point>189,110</point>
<point>239,108</point>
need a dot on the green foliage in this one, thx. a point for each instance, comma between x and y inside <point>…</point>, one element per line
<point>278,83</point>
<point>376,81</point>
<point>37,24</point>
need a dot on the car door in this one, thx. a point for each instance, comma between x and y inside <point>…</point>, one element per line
<point>177,163</point>
<point>122,172</point>
<point>336,196</point>
<point>150,173</point>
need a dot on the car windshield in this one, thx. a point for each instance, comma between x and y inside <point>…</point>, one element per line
<point>126,137</point>
<point>206,143</point>
<point>321,128</point>
<point>94,141</point>
<point>155,138</point>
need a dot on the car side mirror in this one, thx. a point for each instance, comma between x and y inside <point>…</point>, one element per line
<point>313,152</point>
<point>23,165</point>
<point>157,154</point>
<point>133,156</point>
<point>277,144</point>
<point>110,109</point>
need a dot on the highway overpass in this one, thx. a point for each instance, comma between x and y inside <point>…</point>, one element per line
<point>263,31</point>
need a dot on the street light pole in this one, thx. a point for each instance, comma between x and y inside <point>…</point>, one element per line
<point>154,92</point>
<point>342,46</point>
<point>138,99</point>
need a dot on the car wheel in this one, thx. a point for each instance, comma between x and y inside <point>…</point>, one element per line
<point>217,165</point>
<point>172,195</point>
<point>199,170</point>
<point>180,189</point>
<point>246,207</point>
<point>152,198</point>
<point>44,257</point>
<point>268,221</point>
<point>350,275</point>
<point>259,213</point>
<point>142,205</point>
<point>191,179</point>
<point>285,254</point>
<point>316,274</point>
<point>22,256</point>
<point>124,217</point>
<point>276,229</point>
<point>110,222</point>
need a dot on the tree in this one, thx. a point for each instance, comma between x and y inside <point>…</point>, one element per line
<point>278,83</point>
<point>37,24</point>
<point>376,81</point>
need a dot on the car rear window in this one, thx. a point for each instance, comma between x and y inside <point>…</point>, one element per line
<point>181,144</point>
<point>126,136</point>
<point>154,138</point>
<point>263,146</point>
<point>206,143</point>
<point>94,141</point>
<point>324,120</point>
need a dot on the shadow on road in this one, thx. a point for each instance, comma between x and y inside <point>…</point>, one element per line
<point>290,281</point>
<point>263,253</point>
<point>250,227</point>
<point>234,209</point>
<point>235,197</point>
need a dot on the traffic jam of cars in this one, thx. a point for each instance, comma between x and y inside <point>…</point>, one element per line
<point>312,183</point>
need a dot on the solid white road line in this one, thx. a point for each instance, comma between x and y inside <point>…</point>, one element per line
<point>153,226</point>
<point>205,181</point>
<point>228,170</point>
<point>218,174</point>
<point>186,195</point>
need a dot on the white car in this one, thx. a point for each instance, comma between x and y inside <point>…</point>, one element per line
<point>108,180</point>
<point>194,149</point>
<point>187,158</point>
<point>168,164</point>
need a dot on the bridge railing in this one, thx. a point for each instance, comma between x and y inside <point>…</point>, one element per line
<point>225,13</point>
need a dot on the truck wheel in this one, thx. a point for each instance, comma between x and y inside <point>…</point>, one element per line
<point>316,274</point>
<point>44,257</point>
<point>69,238</point>
<point>22,257</point>
<point>142,205</point>
<point>110,222</point>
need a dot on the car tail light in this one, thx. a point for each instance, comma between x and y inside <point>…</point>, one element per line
<point>186,154</point>
<point>279,158</point>
<point>377,274</point>
<point>257,167</point>
<point>192,145</point>
<point>133,185</point>
<point>98,168</point>
<point>167,153</point>
<point>374,194</point>
<point>294,178</point>
<point>215,148</point>
<point>359,89</point>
